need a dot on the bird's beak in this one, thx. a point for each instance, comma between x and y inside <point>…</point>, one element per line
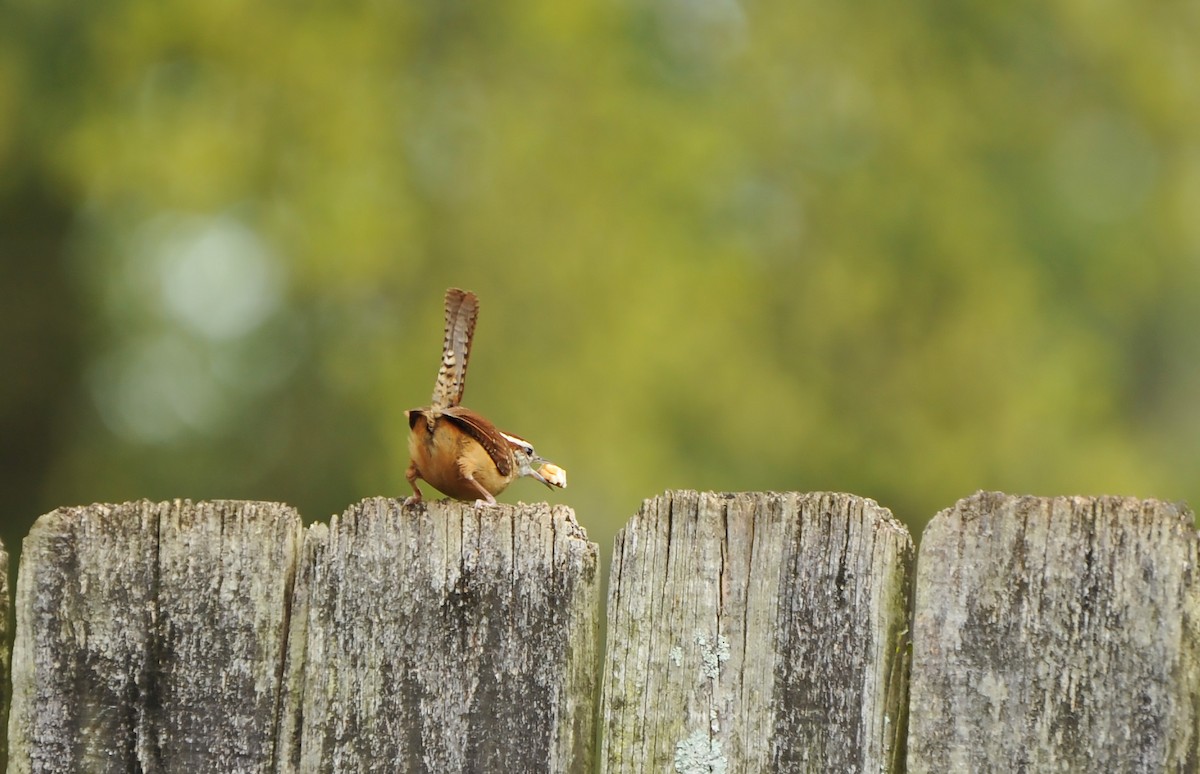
<point>541,478</point>
<point>538,459</point>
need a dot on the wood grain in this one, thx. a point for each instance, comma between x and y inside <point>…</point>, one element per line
<point>443,638</point>
<point>150,637</point>
<point>1055,634</point>
<point>756,632</point>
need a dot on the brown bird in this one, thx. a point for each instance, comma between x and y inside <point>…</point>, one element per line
<point>455,449</point>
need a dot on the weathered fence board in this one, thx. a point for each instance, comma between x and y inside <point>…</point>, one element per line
<point>1056,634</point>
<point>757,632</point>
<point>746,632</point>
<point>5,653</point>
<point>150,637</point>
<point>443,638</point>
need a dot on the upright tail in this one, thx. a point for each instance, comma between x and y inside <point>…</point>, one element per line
<point>462,309</point>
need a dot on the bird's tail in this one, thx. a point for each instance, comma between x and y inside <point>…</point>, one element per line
<point>462,309</point>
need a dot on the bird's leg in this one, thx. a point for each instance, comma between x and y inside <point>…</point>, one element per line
<point>483,502</point>
<point>412,475</point>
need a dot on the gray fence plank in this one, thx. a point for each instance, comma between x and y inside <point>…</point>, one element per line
<point>150,637</point>
<point>1055,634</point>
<point>757,632</point>
<point>5,652</point>
<point>747,632</point>
<point>444,638</point>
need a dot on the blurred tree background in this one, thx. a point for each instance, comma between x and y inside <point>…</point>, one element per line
<point>907,251</point>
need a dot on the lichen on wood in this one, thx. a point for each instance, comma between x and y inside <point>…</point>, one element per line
<point>756,632</point>
<point>150,636</point>
<point>1056,634</point>
<point>443,637</point>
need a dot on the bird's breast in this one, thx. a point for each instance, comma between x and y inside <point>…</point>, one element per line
<point>445,453</point>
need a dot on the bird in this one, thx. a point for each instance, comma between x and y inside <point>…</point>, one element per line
<point>456,450</point>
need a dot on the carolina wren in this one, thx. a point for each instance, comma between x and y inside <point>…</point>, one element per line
<point>455,449</point>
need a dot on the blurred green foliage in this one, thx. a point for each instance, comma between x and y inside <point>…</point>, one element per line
<point>908,251</point>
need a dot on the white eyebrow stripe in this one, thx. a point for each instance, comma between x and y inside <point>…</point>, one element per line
<point>518,442</point>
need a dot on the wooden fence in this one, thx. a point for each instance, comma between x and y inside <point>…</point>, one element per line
<point>745,632</point>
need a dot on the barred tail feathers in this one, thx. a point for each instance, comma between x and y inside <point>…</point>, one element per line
<point>462,309</point>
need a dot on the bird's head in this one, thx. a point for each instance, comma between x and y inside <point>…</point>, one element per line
<point>530,463</point>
